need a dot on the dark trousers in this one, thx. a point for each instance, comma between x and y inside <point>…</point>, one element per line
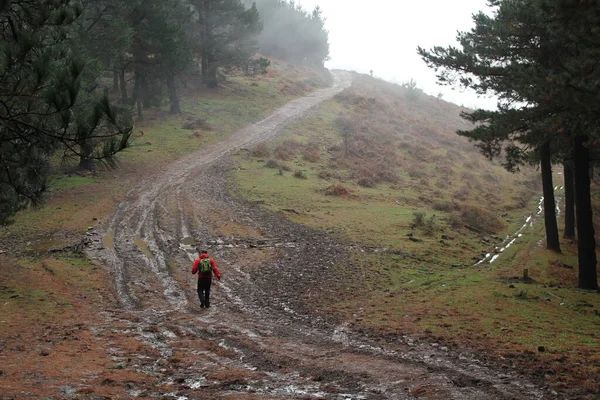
<point>204,291</point>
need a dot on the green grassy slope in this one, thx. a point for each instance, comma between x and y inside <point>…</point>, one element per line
<point>75,199</point>
<point>404,181</point>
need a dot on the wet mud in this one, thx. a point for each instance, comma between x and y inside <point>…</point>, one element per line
<point>261,338</point>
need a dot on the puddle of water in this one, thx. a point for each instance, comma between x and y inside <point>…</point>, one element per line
<point>196,384</point>
<point>528,222</point>
<point>188,241</point>
<point>143,246</point>
<point>109,240</point>
<point>46,245</point>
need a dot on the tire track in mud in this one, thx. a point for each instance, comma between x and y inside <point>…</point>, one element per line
<point>134,224</point>
<point>261,326</point>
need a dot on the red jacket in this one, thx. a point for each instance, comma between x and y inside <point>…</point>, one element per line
<point>214,267</point>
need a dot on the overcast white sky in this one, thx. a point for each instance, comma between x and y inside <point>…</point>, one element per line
<point>383,35</point>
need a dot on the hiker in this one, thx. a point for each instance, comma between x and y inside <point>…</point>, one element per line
<point>205,267</point>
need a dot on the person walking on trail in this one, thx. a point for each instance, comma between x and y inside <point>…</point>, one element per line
<point>205,267</point>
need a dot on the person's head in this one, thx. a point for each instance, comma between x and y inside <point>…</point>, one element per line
<point>203,252</point>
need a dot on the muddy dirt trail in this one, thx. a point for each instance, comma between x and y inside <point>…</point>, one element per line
<point>260,338</point>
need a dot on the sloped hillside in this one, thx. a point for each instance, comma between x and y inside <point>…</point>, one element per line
<point>438,237</point>
<point>381,161</point>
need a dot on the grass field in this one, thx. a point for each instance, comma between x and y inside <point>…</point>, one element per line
<point>401,171</point>
<point>439,189</point>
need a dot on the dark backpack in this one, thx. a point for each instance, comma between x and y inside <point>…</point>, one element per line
<point>205,266</point>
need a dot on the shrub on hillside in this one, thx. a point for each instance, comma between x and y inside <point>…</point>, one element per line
<point>418,218</point>
<point>300,174</point>
<point>372,173</point>
<point>445,206</point>
<point>367,182</point>
<point>345,96</point>
<point>276,165</point>
<point>272,164</point>
<point>430,225</point>
<point>386,173</point>
<point>442,183</point>
<point>286,150</point>
<point>283,153</point>
<point>326,174</point>
<point>463,193</point>
<point>311,154</point>
<point>337,190</point>
<point>454,221</point>
<point>481,220</point>
<point>467,176</point>
<point>416,172</point>
<point>261,151</point>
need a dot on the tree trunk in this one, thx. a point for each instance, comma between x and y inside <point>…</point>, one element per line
<point>586,243</point>
<point>205,36</point>
<point>143,92</point>
<point>140,114</point>
<point>123,85</point>
<point>115,80</point>
<point>552,241</point>
<point>173,96</point>
<point>86,162</point>
<point>136,97</point>
<point>569,200</point>
<point>204,66</point>
<point>135,92</point>
<point>212,77</point>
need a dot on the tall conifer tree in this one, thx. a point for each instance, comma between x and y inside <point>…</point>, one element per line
<point>540,58</point>
<point>47,105</point>
<point>224,35</point>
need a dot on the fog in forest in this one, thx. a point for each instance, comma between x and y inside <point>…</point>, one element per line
<point>383,36</point>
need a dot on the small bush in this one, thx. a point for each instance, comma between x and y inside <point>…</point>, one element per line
<point>481,220</point>
<point>255,67</point>
<point>463,193</point>
<point>416,173</point>
<point>367,182</point>
<point>445,206</point>
<point>275,165</point>
<point>337,190</point>
<point>430,225</point>
<point>442,183</point>
<point>261,151</point>
<point>272,164</point>
<point>328,175</point>
<point>286,150</point>
<point>418,218</point>
<point>311,155</point>
<point>386,174</point>
<point>344,97</point>
<point>283,154</point>
<point>300,174</point>
<point>454,221</point>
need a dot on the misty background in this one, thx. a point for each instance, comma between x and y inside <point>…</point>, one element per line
<point>384,35</point>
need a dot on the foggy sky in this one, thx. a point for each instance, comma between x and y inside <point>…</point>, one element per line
<point>382,35</point>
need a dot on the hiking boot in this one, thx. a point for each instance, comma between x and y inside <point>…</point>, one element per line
<point>202,305</point>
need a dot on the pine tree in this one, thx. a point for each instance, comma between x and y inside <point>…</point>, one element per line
<point>292,34</point>
<point>540,58</point>
<point>45,108</point>
<point>224,35</point>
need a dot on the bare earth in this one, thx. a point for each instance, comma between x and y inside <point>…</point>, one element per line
<point>264,337</point>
